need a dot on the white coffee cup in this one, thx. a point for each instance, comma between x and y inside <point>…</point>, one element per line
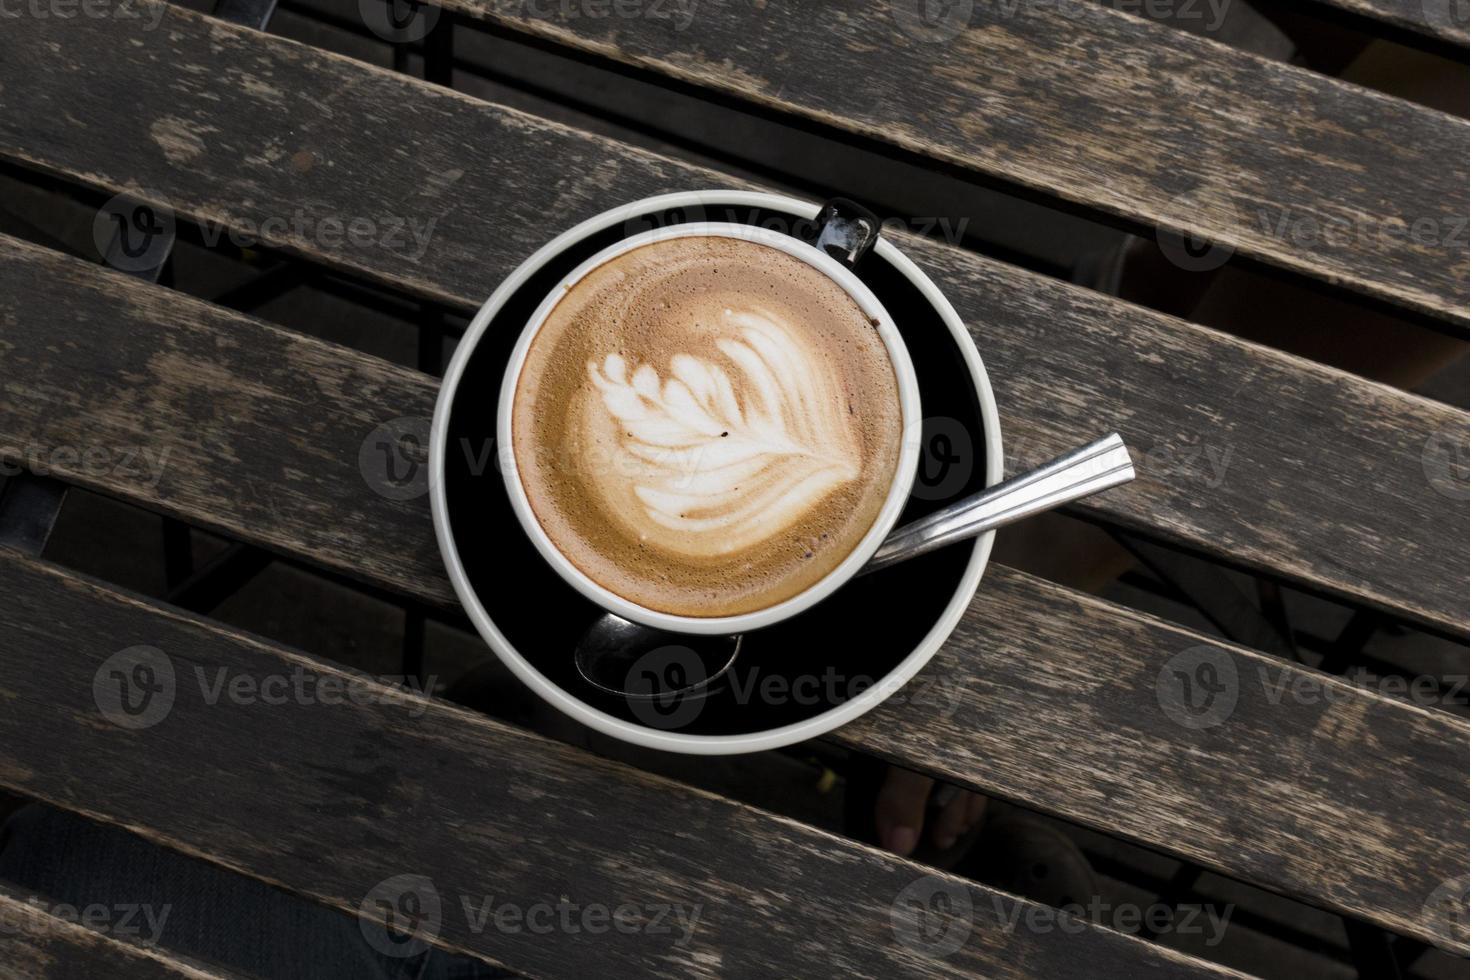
<point>527,660</point>
<point>898,490</point>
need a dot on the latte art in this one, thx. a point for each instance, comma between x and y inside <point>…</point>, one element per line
<point>706,426</point>
<point>728,465</point>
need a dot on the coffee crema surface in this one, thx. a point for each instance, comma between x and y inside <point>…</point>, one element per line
<point>706,426</point>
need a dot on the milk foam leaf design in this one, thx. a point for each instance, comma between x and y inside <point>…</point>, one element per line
<point>735,457</point>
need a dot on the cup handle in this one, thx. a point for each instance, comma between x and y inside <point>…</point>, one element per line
<point>846,230</point>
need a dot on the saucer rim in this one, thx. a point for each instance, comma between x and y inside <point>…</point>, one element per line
<point>646,736</point>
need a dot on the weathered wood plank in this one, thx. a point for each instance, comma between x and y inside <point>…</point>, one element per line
<point>1114,112</point>
<point>1249,448</point>
<point>336,796</point>
<point>1315,787</point>
<point>275,464</point>
<point>1057,697</point>
<point>38,945</point>
<point>1277,463</point>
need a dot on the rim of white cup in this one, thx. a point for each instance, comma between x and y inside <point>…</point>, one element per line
<point>647,736</point>
<point>894,501</point>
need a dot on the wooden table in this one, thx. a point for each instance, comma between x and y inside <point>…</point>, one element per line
<point>1353,802</point>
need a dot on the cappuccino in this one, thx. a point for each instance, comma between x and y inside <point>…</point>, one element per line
<point>706,426</point>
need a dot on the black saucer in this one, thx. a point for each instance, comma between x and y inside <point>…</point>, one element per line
<point>786,673</point>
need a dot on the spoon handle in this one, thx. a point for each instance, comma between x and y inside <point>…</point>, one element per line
<point>1071,476</point>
